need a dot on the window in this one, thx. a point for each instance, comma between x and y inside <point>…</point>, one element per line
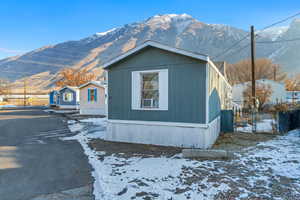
<point>150,90</point>
<point>68,96</point>
<point>92,95</point>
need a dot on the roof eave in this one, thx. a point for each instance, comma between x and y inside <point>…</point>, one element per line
<point>157,45</point>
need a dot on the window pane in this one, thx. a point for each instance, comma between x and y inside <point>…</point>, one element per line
<point>150,81</point>
<point>92,93</point>
<point>149,91</point>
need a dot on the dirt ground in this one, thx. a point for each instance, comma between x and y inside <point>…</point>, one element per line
<point>228,141</point>
<point>239,141</point>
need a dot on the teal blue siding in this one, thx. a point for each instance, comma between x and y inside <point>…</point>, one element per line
<point>69,103</point>
<point>214,105</point>
<point>89,95</point>
<point>52,95</point>
<point>187,87</point>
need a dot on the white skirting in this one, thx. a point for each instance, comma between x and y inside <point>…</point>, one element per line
<point>68,106</point>
<point>92,111</point>
<point>163,133</point>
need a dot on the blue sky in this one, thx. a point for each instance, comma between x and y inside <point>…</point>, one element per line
<point>29,24</point>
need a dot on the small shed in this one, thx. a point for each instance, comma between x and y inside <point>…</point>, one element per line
<point>53,98</point>
<point>167,96</point>
<point>293,96</point>
<point>92,98</point>
<point>68,97</point>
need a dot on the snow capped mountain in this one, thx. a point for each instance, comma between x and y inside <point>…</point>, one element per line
<point>179,30</point>
<point>106,32</point>
<point>274,32</point>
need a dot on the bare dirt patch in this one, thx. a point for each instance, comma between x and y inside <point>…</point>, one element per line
<point>239,141</point>
<point>127,150</point>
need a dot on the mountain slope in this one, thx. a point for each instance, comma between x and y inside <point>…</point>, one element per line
<point>181,31</point>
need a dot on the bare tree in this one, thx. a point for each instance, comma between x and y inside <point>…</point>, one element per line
<point>293,83</point>
<point>263,94</point>
<point>4,87</point>
<point>73,77</point>
<point>265,69</point>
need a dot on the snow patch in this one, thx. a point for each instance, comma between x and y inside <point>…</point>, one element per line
<point>8,106</point>
<point>265,125</point>
<point>164,178</point>
<point>106,32</point>
<point>180,21</point>
<point>274,32</point>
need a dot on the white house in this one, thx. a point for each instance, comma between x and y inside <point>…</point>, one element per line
<point>293,96</point>
<point>92,98</point>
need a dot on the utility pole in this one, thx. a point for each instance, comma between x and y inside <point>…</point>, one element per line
<point>253,76</point>
<point>253,64</point>
<point>25,85</point>
<point>275,73</point>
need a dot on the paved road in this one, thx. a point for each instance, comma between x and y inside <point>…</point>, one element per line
<point>33,160</point>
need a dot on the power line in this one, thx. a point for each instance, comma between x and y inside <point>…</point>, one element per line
<point>239,49</point>
<point>278,41</point>
<point>229,48</point>
<point>280,21</point>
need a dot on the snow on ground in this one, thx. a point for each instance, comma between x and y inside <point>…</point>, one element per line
<point>270,170</point>
<point>8,106</point>
<point>60,111</point>
<point>265,125</point>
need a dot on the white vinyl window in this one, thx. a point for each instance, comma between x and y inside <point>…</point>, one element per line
<point>68,97</point>
<point>150,90</point>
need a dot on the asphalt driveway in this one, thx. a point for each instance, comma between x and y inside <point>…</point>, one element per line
<point>33,160</point>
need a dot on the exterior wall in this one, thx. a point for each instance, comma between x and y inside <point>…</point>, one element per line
<point>220,93</point>
<point>67,103</point>
<point>164,134</point>
<point>214,105</point>
<point>186,94</point>
<point>92,108</point>
<point>52,96</point>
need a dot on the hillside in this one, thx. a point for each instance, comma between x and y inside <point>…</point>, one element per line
<point>182,31</point>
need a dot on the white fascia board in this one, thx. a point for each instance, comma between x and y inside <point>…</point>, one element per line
<point>157,45</point>
<point>71,88</point>
<point>90,83</point>
<point>159,123</point>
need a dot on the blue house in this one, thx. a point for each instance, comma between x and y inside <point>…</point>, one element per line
<point>68,97</point>
<point>53,98</point>
<point>167,96</point>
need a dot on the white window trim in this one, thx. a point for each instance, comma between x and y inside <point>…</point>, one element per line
<point>163,89</point>
<point>93,101</point>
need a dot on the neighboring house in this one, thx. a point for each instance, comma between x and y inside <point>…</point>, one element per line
<point>92,98</point>
<point>53,98</point>
<point>293,96</point>
<point>278,92</point>
<point>162,95</point>
<point>68,97</point>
